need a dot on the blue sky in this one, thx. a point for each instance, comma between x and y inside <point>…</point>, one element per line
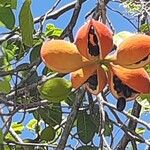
<point>40,7</point>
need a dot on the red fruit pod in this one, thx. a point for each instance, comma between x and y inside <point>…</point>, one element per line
<point>134,52</point>
<point>94,40</point>
<point>128,83</point>
<point>92,76</point>
<point>62,56</point>
<point>80,76</point>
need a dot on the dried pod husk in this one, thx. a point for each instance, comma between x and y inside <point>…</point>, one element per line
<point>62,56</point>
<point>92,76</point>
<point>134,52</point>
<point>94,40</point>
<point>128,83</point>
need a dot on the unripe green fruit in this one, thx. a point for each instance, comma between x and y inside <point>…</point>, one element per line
<point>55,90</point>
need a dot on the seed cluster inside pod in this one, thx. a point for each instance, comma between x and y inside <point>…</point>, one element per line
<point>122,89</point>
<point>92,82</point>
<point>93,46</point>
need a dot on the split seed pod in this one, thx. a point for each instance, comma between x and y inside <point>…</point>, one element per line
<point>94,40</point>
<point>62,56</point>
<point>134,52</point>
<point>92,76</point>
<point>128,83</point>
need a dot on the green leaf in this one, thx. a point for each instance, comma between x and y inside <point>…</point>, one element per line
<point>71,98</point>
<point>95,117</point>
<point>145,27</point>
<point>147,68</point>
<point>5,3</point>
<point>85,127</point>
<point>57,32</point>
<point>4,87</point>
<point>121,36</point>
<point>108,127</point>
<point>32,124</point>
<point>8,3</point>
<point>26,23</point>
<point>144,101</point>
<point>35,53</point>
<point>1,136</point>
<point>140,130</point>
<point>13,4</point>
<point>9,137</point>
<point>7,18</point>
<point>132,7</point>
<point>87,148</point>
<point>48,134</point>
<point>55,90</point>
<point>51,115</point>
<point>17,127</point>
<point>52,31</point>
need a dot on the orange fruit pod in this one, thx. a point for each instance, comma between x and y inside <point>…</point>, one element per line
<point>62,56</point>
<point>126,84</point>
<point>94,40</point>
<point>134,52</point>
<point>93,77</point>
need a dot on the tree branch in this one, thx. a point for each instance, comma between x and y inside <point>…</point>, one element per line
<point>70,120</point>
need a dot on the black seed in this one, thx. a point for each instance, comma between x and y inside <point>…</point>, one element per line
<point>127,91</point>
<point>116,80</point>
<point>92,80</point>
<point>121,104</point>
<point>117,84</point>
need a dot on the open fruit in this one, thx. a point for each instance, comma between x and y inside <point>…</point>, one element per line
<point>133,52</point>
<point>94,40</point>
<point>127,84</point>
<point>62,56</point>
<point>93,77</point>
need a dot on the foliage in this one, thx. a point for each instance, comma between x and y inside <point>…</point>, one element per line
<point>43,101</point>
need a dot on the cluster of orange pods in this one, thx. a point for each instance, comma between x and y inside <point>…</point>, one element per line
<point>90,63</point>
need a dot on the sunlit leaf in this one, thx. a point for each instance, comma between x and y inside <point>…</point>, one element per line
<point>32,124</point>
<point>4,86</point>
<point>8,3</point>
<point>52,31</point>
<point>140,130</point>
<point>17,127</point>
<point>144,101</point>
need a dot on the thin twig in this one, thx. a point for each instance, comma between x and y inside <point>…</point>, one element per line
<point>68,30</point>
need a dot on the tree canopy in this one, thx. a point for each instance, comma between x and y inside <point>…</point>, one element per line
<point>49,100</point>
